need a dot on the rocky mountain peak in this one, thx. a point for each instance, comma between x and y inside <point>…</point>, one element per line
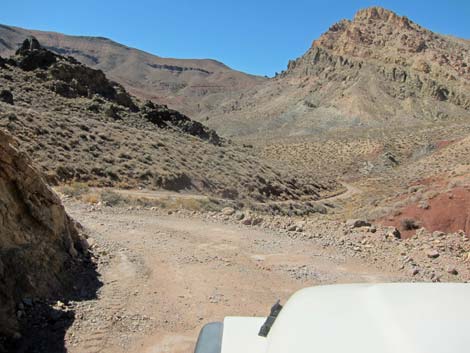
<point>372,27</point>
<point>380,35</point>
<point>376,13</point>
<point>377,56</point>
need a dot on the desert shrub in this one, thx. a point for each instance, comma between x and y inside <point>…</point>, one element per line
<point>75,189</point>
<point>126,184</point>
<point>112,198</point>
<point>94,107</point>
<point>113,111</point>
<point>64,172</point>
<point>409,224</point>
<point>92,198</point>
<point>111,173</point>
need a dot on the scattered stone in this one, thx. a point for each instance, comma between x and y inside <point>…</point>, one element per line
<point>257,221</point>
<point>452,271</point>
<point>394,233</point>
<point>433,254</point>
<point>424,204</point>
<point>239,216</point>
<point>357,223</point>
<point>247,221</point>
<point>91,242</point>
<point>228,211</point>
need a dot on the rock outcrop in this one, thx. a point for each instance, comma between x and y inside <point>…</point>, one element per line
<point>71,79</point>
<point>38,240</point>
<point>161,116</point>
<point>377,70</point>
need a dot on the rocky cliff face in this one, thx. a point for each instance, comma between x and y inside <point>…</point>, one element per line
<point>381,35</point>
<point>378,43</point>
<point>38,241</point>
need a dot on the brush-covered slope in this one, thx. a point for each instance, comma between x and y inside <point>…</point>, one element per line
<point>79,126</point>
<point>192,86</point>
<point>379,69</point>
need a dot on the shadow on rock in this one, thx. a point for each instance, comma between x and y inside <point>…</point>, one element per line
<point>44,323</point>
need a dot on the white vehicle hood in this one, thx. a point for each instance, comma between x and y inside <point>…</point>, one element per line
<point>362,318</point>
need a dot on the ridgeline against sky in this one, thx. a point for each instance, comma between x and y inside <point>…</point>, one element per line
<point>255,37</point>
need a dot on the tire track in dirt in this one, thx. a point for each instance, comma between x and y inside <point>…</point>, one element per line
<point>184,272</point>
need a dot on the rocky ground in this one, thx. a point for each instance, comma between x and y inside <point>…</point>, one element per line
<point>166,272</point>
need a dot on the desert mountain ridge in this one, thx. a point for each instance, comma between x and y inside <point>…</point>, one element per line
<point>192,86</point>
<point>375,70</point>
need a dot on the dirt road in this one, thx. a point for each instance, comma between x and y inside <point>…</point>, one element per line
<point>165,276</point>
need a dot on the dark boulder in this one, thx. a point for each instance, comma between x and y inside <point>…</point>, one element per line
<point>29,44</point>
<point>163,117</point>
<point>6,96</point>
<point>174,182</point>
<point>32,56</point>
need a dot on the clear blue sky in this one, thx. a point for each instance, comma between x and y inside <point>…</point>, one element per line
<point>255,36</point>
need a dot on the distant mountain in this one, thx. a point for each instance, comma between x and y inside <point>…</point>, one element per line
<point>191,86</point>
<point>376,70</point>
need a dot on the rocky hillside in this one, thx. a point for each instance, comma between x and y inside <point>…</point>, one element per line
<point>191,86</point>
<point>79,126</point>
<point>379,69</point>
<point>38,241</point>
